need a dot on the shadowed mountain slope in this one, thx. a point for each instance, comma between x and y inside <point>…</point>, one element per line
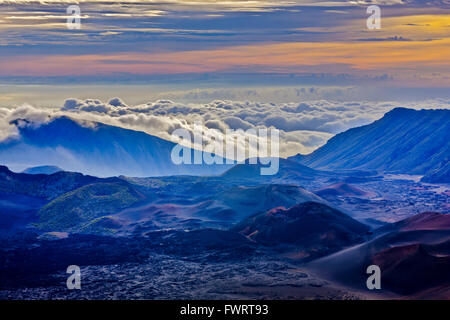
<point>96,149</point>
<point>439,175</point>
<point>413,255</point>
<point>404,140</point>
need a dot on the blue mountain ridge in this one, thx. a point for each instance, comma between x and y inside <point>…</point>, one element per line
<point>97,149</point>
<point>404,141</point>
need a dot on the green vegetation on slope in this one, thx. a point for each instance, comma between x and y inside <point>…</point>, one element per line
<point>71,211</point>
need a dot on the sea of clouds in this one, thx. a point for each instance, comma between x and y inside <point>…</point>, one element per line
<point>303,126</point>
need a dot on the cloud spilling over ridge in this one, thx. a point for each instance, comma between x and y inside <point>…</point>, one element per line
<point>303,126</point>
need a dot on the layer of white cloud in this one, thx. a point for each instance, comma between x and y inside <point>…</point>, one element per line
<point>303,126</point>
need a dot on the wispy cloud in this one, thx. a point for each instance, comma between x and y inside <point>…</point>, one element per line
<point>258,36</point>
<point>404,59</point>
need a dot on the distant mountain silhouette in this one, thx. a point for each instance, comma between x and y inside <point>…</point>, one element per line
<point>289,171</point>
<point>96,149</point>
<point>247,170</point>
<point>404,140</point>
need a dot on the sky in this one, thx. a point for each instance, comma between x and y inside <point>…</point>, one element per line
<point>310,68</point>
<point>126,40</point>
